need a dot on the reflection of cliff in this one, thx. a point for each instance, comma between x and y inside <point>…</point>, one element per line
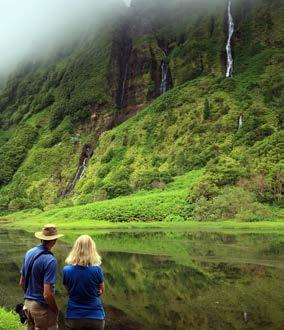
<point>163,295</point>
<point>153,292</point>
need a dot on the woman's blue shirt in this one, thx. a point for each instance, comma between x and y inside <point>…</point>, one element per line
<point>82,284</point>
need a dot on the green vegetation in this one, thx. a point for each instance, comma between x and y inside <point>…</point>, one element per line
<point>168,204</point>
<point>175,175</point>
<point>51,111</point>
<point>9,321</point>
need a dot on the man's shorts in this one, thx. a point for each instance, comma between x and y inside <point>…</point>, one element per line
<point>40,316</point>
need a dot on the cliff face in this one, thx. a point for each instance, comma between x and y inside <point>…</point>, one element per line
<point>62,106</point>
<point>191,37</point>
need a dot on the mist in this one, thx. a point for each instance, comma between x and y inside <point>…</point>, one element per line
<point>32,28</point>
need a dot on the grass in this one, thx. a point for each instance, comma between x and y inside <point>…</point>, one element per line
<point>145,210</point>
<point>9,321</point>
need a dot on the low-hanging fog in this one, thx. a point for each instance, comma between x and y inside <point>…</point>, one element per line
<point>31,28</point>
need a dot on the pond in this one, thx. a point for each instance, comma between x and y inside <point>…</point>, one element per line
<point>163,279</point>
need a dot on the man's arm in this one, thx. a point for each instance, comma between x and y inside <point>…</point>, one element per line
<point>49,297</point>
<point>22,282</point>
<point>101,288</point>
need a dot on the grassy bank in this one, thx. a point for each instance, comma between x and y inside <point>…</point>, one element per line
<point>33,221</point>
<point>9,321</point>
<point>165,207</point>
<point>147,211</point>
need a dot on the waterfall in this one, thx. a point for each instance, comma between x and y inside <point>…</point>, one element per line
<point>241,121</point>
<point>231,27</point>
<point>85,156</point>
<point>164,81</point>
<point>123,85</point>
<point>123,60</point>
<point>80,172</point>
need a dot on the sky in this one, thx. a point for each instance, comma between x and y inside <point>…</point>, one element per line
<point>31,27</point>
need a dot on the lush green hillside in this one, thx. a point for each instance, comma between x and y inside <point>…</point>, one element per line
<point>228,130</point>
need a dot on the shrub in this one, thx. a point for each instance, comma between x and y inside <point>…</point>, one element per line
<point>267,182</point>
<point>103,170</point>
<point>174,218</point>
<point>51,139</point>
<point>19,204</point>
<point>255,212</point>
<point>56,115</point>
<point>86,199</point>
<point>4,201</point>
<point>230,203</point>
<point>206,110</point>
<point>166,102</point>
<point>206,187</point>
<point>117,189</point>
<point>146,178</point>
<point>100,195</point>
<point>13,152</point>
<point>226,170</point>
<point>44,102</point>
<point>88,187</point>
<point>80,115</point>
<point>9,321</point>
<point>65,203</point>
<point>276,176</point>
<point>107,157</point>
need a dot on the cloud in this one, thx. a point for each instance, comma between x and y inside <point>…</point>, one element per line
<point>32,27</point>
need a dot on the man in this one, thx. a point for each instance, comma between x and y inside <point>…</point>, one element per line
<point>38,277</point>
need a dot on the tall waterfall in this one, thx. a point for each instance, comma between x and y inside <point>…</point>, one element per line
<point>165,71</point>
<point>231,27</point>
<point>123,60</point>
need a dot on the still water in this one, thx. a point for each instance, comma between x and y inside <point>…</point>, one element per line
<point>172,279</point>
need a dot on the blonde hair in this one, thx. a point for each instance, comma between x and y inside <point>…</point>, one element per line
<point>84,253</point>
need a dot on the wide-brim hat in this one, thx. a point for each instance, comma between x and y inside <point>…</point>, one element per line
<point>48,233</point>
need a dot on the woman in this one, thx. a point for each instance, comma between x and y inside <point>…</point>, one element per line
<point>84,281</point>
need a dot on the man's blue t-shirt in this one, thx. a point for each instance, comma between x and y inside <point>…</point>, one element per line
<point>44,271</point>
<point>82,284</point>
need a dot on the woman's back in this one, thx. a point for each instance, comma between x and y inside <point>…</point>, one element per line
<point>82,284</point>
<point>84,281</point>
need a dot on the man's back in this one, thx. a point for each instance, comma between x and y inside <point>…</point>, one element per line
<point>44,270</point>
<point>39,271</point>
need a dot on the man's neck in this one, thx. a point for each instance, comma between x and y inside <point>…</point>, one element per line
<point>47,246</point>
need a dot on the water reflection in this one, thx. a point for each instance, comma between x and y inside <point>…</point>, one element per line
<point>189,281</point>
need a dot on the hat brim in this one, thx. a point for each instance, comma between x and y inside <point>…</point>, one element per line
<point>39,235</point>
